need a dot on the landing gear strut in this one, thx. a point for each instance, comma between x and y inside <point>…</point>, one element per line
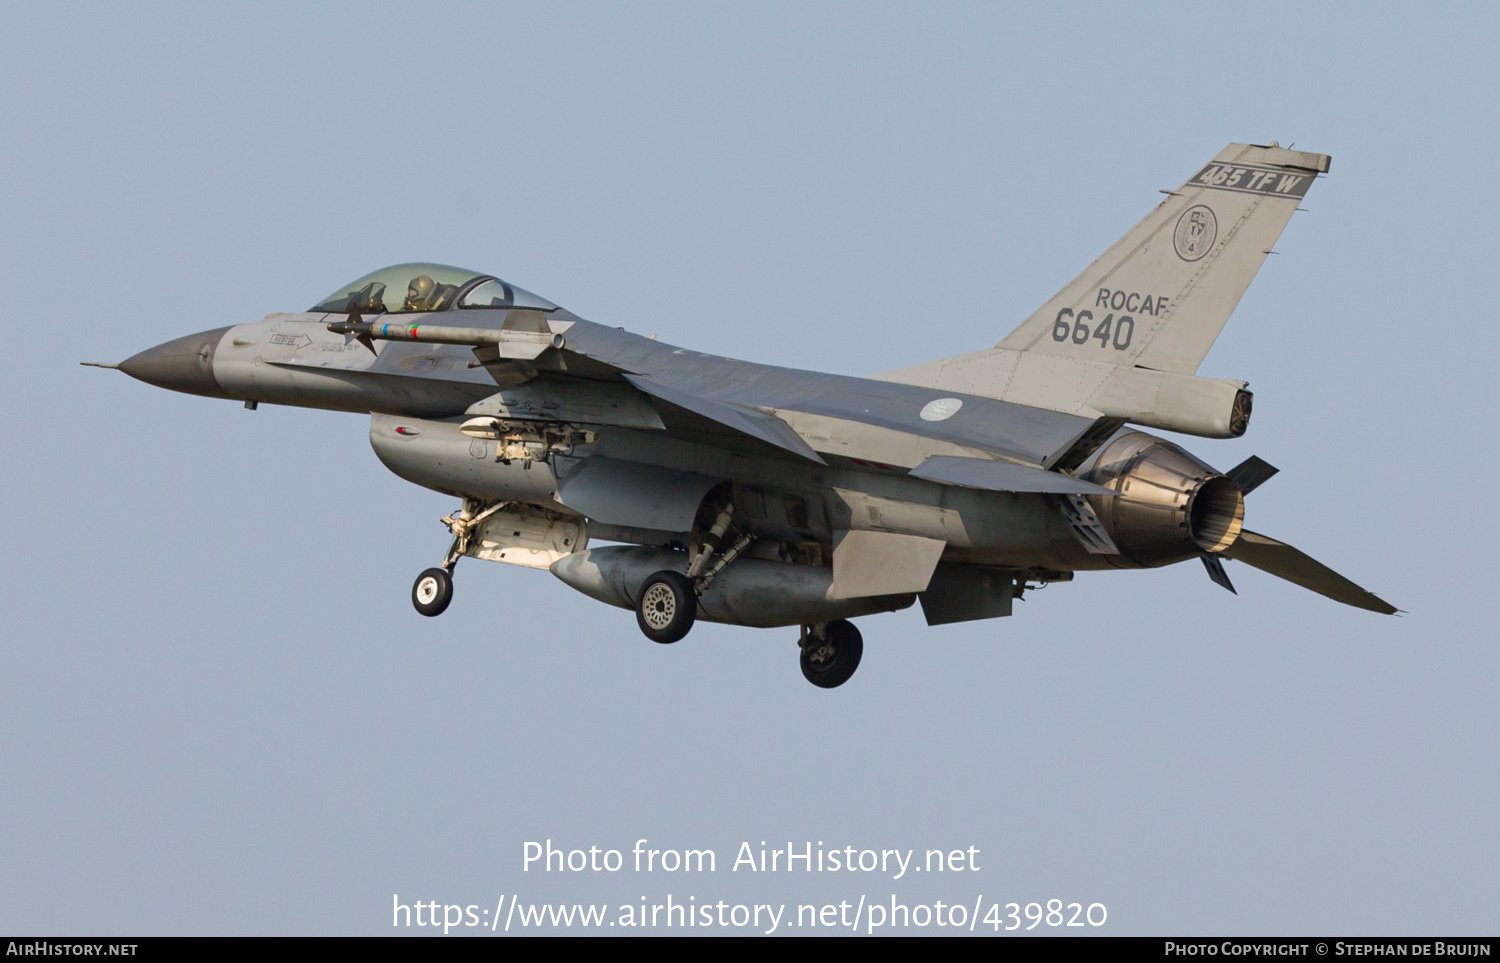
<point>830,652</point>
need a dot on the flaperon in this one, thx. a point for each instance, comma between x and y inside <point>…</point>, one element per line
<point>766,496</point>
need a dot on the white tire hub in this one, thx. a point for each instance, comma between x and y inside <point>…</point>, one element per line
<point>659,606</point>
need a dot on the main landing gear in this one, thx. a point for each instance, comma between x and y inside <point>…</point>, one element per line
<point>668,602</point>
<point>667,607</point>
<point>830,652</point>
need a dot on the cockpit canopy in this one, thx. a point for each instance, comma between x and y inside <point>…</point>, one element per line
<point>409,288</point>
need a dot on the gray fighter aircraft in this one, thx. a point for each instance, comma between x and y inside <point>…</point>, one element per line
<point>766,496</point>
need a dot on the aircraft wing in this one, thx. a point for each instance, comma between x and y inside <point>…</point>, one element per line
<point>722,389</point>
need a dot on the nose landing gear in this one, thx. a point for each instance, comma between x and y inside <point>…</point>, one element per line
<point>830,652</point>
<point>433,589</point>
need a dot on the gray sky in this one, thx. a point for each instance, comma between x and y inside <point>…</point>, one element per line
<point>219,713</point>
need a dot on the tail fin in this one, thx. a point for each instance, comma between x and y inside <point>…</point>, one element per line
<point>1160,296</point>
<point>1124,338</point>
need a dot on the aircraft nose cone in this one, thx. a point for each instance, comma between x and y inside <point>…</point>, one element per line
<point>183,364</point>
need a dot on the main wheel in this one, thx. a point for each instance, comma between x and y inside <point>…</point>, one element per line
<point>829,663</point>
<point>432,591</point>
<point>667,607</point>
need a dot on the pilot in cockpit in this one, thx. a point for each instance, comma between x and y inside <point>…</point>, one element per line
<point>425,294</point>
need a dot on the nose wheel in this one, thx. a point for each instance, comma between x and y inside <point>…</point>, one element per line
<point>831,653</point>
<point>432,591</point>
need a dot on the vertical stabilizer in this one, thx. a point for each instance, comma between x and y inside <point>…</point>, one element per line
<point>1160,296</point>
<point>1125,337</point>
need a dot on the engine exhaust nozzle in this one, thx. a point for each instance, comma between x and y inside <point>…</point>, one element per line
<point>1171,506</point>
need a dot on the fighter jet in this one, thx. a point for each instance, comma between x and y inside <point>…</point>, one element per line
<point>688,486</point>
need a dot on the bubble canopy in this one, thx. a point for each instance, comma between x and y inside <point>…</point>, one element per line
<point>419,286</point>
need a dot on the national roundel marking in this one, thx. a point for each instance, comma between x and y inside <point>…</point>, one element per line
<point>1196,231</point>
<point>941,409</point>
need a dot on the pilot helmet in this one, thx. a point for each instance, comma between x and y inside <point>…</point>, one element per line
<point>419,292</point>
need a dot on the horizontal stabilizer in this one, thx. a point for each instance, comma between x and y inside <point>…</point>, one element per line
<point>748,421</point>
<point>1251,473</point>
<point>1000,476</point>
<point>1283,561</point>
